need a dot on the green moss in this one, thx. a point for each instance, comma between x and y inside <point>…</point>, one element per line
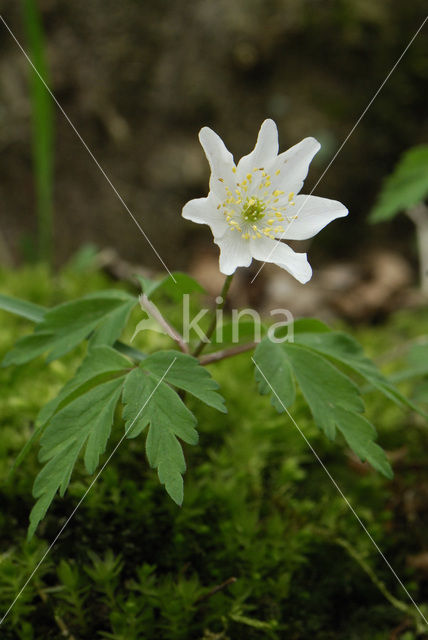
<point>259,514</point>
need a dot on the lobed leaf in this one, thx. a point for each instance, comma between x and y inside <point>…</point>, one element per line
<point>360,434</point>
<point>100,364</point>
<point>324,387</point>
<point>87,419</point>
<point>65,326</point>
<point>274,366</point>
<point>187,374</point>
<point>344,349</point>
<point>333,398</point>
<point>149,402</point>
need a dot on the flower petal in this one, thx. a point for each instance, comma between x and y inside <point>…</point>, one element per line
<point>204,211</point>
<point>293,166</point>
<point>220,160</point>
<point>234,252</point>
<point>267,250</point>
<point>313,214</point>
<point>264,153</point>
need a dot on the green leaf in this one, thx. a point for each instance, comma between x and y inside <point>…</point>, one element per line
<point>26,449</point>
<point>28,310</point>
<point>110,329</point>
<point>100,364</point>
<point>332,397</point>
<point>324,387</point>
<point>66,325</point>
<point>87,419</point>
<point>236,332</point>
<point>186,373</point>
<point>53,475</point>
<point>149,286</point>
<point>417,364</point>
<point>344,349</point>
<point>359,433</point>
<point>174,285</point>
<point>310,325</point>
<point>130,352</point>
<point>406,187</point>
<point>273,362</point>
<point>28,348</point>
<point>150,402</point>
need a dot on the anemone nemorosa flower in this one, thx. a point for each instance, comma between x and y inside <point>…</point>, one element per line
<point>254,203</point>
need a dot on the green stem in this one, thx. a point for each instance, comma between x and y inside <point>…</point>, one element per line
<point>398,604</point>
<point>202,343</point>
<point>42,117</point>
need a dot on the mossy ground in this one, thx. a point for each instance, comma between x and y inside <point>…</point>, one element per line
<point>258,508</point>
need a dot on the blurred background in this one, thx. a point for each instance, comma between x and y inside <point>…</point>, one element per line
<point>139,79</point>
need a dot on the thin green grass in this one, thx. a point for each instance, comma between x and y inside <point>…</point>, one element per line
<point>43,131</point>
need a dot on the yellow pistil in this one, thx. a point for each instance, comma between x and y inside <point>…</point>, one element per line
<point>255,216</point>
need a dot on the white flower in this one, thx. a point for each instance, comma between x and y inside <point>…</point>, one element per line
<point>251,205</point>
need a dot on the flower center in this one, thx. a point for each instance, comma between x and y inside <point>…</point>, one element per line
<point>255,216</point>
<point>253,210</point>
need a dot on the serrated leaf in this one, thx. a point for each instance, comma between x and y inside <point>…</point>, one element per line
<point>65,326</point>
<point>99,364</point>
<point>360,435</point>
<point>324,387</point>
<point>274,366</point>
<point>187,374</point>
<point>150,402</point>
<point>88,416</point>
<point>52,476</point>
<point>87,419</point>
<point>406,187</point>
<point>333,399</point>
<point>344,349</point>
<point>88,310</point>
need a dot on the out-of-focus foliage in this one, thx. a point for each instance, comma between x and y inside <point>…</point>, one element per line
<point>141,78</point>
<point>406,187</point>
<point>42,113</point>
